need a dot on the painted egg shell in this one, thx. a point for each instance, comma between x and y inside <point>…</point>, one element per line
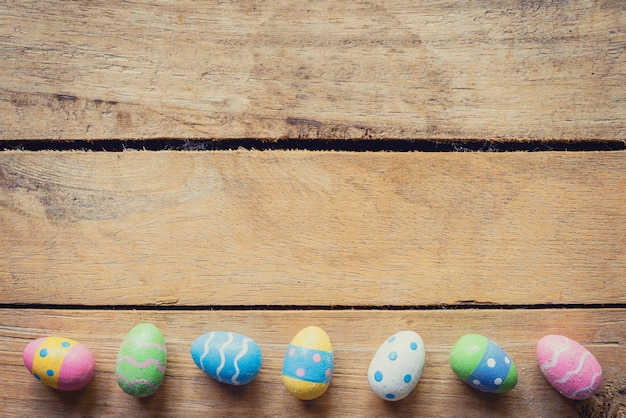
<point>397,366</point>
<point>482,364</point>
<point>141,361</point>
<point>60,363</point>
<point>227,357</point>
<point>308,364</point>
<point>568,366</point>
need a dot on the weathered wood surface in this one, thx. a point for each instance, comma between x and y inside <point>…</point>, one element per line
<point>387,69</point>
<point>257,235</point>
<point>355,336</point>
<point>312,228</point>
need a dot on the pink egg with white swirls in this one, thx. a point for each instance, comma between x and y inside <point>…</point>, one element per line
<point>569,367</point>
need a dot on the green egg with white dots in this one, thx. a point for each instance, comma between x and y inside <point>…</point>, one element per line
<point>483,364</point>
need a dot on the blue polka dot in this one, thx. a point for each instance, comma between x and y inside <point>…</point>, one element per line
<point>413,346</point>
<point>50,372</point>
<point>393,356</point>
<point>407,378</point>
<point>390,396</point>
<point>392,339</point>
<point>378,376</point>
<point>65,344</point>
<point>37,376</point>
<point>43,352</point>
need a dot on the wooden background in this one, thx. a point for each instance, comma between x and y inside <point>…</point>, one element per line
<point>511,245</point>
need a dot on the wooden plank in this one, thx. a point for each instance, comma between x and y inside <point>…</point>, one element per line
<point>355,336</point>
<point>385,69</point>
<point>312,228</point>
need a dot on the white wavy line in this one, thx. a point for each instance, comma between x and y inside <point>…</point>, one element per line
<point>555,357</point>
<point>242,353</point>
<point>144,344</point>
<point>573,372</point>
<point>593,381</point>
<point>223,356</point>
<point>206,351</point>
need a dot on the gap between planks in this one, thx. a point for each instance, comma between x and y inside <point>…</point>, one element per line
<point>372,145</point>
<point>171,306</point>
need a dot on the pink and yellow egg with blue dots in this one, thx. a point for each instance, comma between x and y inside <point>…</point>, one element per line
<point>308,364</point>
<point>60,363</point>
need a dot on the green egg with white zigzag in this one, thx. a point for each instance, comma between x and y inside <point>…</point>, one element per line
<point>141,361</point>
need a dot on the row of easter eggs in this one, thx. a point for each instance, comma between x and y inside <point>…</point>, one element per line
<point>235,359</point>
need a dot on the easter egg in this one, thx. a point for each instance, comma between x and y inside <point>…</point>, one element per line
<point>482,364</point>
<point>308,364</point>
<point>227,357</point>
<point>569,367</point>
<point>141,361</point>
<point>60,363</point>
<point>397,366</point>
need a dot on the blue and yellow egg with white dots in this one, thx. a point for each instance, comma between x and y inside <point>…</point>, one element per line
<point>397,366</point>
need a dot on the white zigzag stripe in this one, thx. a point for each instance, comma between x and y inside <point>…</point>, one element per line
<point>206,351</point>
<point>223,356</point>
<point>242,353</point>
<point>573,372</point>
<point>555,357</point>
<point>586,388</point>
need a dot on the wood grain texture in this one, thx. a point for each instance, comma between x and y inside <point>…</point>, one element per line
<point>488,69</point>
<point>355,336</point>
<point>312,228</point>
<point>266,243</point>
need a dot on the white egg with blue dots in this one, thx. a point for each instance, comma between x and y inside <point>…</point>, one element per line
<point>397,366</point>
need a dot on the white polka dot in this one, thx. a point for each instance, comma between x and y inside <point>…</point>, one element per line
<point>498,381</point>
<point>476,382</point>
<point>491,363</point>
<point>507,360</point>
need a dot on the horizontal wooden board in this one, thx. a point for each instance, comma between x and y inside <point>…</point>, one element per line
<point>487,69</point>
<point>312,228</point>
<point>355,336</point>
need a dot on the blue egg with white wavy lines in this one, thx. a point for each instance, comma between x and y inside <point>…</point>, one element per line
<point>227,357</point>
